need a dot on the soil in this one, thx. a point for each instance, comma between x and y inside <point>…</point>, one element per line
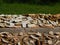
<point>17,30</point>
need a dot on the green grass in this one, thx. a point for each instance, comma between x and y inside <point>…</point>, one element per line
<point>27,8</point>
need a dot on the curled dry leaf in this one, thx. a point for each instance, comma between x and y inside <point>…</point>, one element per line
<point>51,33</point>
<point>50,42</point>
<point>32,36</point>
<point>5,41</point>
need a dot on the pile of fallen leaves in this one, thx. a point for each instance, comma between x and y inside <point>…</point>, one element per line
<point>29,20</point>
<point>30,38</point>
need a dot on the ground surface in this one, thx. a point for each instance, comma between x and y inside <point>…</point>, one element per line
<point>17,30</point>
